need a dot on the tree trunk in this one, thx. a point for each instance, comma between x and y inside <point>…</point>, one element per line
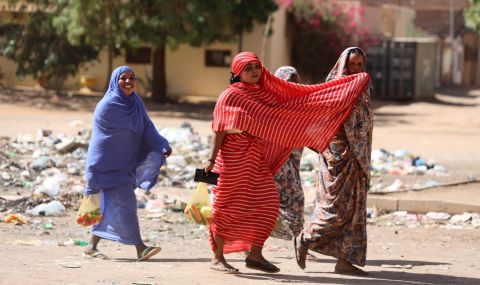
<point>159,82</point>
<point>240,42</point>
<point>109,65</point>
<point>110,42</point>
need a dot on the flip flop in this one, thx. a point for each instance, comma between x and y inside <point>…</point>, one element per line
<point>95,254</point>
<point>223,269</point>
<point>265,267</point>
<point>300,253</point>
<point>149,252</point>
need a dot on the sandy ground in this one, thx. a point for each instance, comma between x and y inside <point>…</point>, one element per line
<point>445,129</point>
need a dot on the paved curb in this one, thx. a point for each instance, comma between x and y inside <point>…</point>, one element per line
<point>392,204</point>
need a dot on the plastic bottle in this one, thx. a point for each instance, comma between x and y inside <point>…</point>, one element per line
<point>81,242</point>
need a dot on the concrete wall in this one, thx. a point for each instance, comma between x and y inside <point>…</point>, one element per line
<point>392,21</point>
<point>426,68</point>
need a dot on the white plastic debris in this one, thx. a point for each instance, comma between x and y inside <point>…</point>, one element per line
<point>438,216</point>
<point>54,208</point>
<point>52,184</point>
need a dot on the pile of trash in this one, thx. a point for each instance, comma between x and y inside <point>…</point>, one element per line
<point>384,163</point>
<point>402,162</point>
<point>430,219</point>
<point>189,151</point>
<point>36,171</point>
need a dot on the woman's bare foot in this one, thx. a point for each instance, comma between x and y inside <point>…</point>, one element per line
<point>345,267</point>
<point>221,265</point>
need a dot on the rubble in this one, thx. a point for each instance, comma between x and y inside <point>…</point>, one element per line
<point>38,170</point>
<point>403,163</point>
<point>44,175</point>
<point>430,219</point>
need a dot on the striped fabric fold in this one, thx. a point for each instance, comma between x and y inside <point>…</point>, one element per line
<point>295,116</point>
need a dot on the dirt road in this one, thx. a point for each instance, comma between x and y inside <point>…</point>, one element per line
<point>445,129</point>
<point>31,255</point>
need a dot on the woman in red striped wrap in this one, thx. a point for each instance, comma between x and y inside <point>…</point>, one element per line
<point>258,119</point>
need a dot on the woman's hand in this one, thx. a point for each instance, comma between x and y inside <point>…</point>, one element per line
<point>208,166</point>
<point>167,152</point>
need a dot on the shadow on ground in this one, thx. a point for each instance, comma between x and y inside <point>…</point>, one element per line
<point>174,260</point>
<point>379,262</point>
<point>375,278</point>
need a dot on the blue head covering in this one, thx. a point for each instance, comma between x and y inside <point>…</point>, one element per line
<point>125,147</point>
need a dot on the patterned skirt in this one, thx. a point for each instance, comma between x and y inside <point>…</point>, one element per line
<point>338,227</point>
<point>291,198</point>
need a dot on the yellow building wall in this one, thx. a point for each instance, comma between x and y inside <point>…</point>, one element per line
<point>187,74</point>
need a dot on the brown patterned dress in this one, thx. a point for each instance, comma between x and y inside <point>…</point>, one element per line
<point>291,198</point>
<point>338,226</point>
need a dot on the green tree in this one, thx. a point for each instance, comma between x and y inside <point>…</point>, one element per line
<point>472,16</point>
<point>168,23</point>
<point>39,50</point>
<point>100,24</point>
<point>161,24</point>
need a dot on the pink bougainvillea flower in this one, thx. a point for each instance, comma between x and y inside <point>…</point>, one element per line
<point>352,25</point>
<point>362,11</point>
<point>286,3</point>
<point>315,22</point>
<point>352,12</point>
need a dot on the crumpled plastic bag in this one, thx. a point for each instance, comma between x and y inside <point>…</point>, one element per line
<point>89,213</point>
<point>199,208</point>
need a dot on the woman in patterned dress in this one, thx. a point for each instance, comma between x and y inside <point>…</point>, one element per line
<point>338,226</point>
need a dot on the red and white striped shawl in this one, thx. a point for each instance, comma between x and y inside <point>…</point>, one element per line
<point>285,114</point>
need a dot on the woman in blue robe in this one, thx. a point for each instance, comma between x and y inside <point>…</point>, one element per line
<point>125,152</point>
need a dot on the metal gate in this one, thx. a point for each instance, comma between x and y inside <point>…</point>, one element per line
<point>392,67</point>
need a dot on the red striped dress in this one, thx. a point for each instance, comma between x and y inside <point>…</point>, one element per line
<point>275,116</point>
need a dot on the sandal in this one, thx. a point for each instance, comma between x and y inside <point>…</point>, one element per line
<point>223,269</point>
<point>95,254</point>
<point>301,251</point>
<point>265,267</point>
<point>149,252</point>
<point>355,271</point>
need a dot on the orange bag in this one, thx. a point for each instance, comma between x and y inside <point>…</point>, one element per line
<point>89,213</point>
